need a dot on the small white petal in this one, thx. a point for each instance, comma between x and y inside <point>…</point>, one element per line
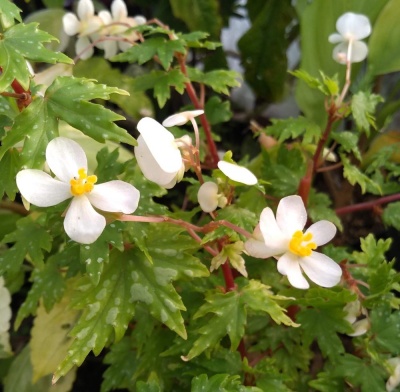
<point>360,327</point>
<point>288,265</point>
<point>105,17</point>
<point>65,157</point>
<point>161,144</point>
<point>355,25</point>
<point>394,379</point>
<point>181,118</point>
<point>321,269</point>
<point>359,52</point>
<point>291,215</point>
<point>322,231</point>
<point>115,196</point>
<point>40,189</point>
<point>208,196</point>
<point>335,38</point>
<point>118,10</point>
<point>71,24</point>
<point>85,9</point>
<point>140,20</point>
<point>276,241</point>
<point>258,249</point>
<point>237,173</point>
<point>110,48</point>
<point>149,166</point>
<point>82,223</point>
<point>83,48</point>
<point>91,26</point>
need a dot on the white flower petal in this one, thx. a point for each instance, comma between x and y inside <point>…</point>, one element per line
<point>105,17</point>
<point>110,48</point>
<point>71,24</point>
<point>118,10</point>
<point>161,144</point>
<point>394,379</point>
<point>83,48</point>
<point>91,26</point>
<point>353,25</point>
<point>140,20</point>
<point>65,157</point>
<point>335,38</point>
<point>258,249</point>
<point>82,223</point>
<point>115,196</point>
<point>321,269</point>
<point>359,52</point>
<point>181,118</point>
<point>288,265</point>
<point>85,9</point>
<point>291,214</point>
<point>40,189</point>
<point>276,241</point>
<point>149,166</point>
<point>237,173</point>
<point>208,196</point>
<point>360,327</point>
<point>322,231</point>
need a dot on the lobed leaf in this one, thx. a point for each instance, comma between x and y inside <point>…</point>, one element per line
<point>9,12</point>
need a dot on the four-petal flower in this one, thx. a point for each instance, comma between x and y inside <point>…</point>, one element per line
<point>283,238</point>
<point>67,160</point>
<point>352,28</point>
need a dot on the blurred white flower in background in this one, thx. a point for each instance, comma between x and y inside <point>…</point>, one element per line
<point>352,28</point>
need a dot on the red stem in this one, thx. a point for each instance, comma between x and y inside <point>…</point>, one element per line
<point>368,204</point>
<point>228,276</point>
<point>203,119</point>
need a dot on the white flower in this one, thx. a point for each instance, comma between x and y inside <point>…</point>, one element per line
<point>119,22</point>
<point>353,311</point>
<point>237,173</point>
<point>352,28</point>
<point>87,24</point>
<point>181,118</point>
<point>158,154</point>
<point>394,379</point>
<point>209,198</point>
<point>67,160</point>
<point>284,239</point>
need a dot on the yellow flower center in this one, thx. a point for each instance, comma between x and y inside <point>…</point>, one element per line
<point>300,244</point>
<point>82,184</point>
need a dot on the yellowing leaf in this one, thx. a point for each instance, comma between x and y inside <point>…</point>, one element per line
<point>49,342</point>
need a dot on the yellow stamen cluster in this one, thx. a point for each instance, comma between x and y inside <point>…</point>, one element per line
<point>82,184</point>
<point>297,247</point>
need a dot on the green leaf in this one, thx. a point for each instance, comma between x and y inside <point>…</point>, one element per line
<point>22,42</point>
<point>360,373</point>
<point>383,56</point>
<point>162,47</point>
<point>258,297</point>
<point>66,99</point>
<point>363,106</point>
<point>323,325</point>
<point>123,362</point>
<point>385,330</point>
<point>328,86</point>
<point>219,80</point>
<point>9,166</point>
<point>217,111</point>
<point>148,386</point>
<point>196,39</point>
<point>48,284</point>
<point>9,13</point>
<point>151,284</point>
<point>135,104</point>
<point>320,298</point>
<point>95,255</point>
<point>200,15</point>
<point>29,239</point>
<point>373,251</point>
<point>391,215</point>
<point>356,176</point>
<point>348,141</point>
<point>319,208</point>
<point>220,383</point>
<point>106,310</point>
<point>292,128</point>
<point>228,318</point>
<point>161,81</point>
<point>263,49</point>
